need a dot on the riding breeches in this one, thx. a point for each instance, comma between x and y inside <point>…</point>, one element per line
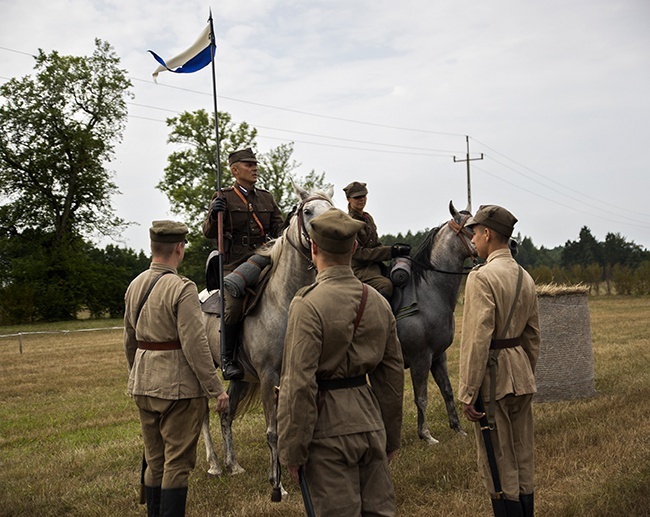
<point>170,431</point>
<point>513,444</point>
<point>348,476</point>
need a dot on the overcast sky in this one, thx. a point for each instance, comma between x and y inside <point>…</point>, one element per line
<point>554,93</point>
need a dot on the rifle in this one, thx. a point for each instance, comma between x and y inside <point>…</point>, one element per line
<point>306,496</point>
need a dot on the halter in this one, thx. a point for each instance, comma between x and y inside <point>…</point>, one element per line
<point>305,241</point>
<point>461,231</point>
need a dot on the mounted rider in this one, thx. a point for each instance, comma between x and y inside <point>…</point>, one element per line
<point>251,218</point>
<point>368,260</point>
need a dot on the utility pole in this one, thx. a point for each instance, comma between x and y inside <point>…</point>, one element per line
<point>468,159</point>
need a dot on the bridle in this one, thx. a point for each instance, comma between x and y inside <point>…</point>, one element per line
<point>305,241</point>
<point>465,235</point>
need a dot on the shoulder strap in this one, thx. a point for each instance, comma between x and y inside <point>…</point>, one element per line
<point>146,295</point>
<point>514,303</point>
<point>250,209</point>
<point>362,306</point>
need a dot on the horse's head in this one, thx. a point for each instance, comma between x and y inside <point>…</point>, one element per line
<point>457,224</point>
<point>311,205</point>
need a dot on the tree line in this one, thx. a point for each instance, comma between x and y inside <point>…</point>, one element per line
<point>612,266</point>
<point>60,127</point>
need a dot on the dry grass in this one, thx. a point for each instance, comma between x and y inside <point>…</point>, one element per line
<point>69,436</point>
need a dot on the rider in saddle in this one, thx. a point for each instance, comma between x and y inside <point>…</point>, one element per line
<point>368,260</point>
<point>251,218</point>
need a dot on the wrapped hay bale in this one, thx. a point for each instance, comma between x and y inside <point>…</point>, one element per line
<point>565,368</point>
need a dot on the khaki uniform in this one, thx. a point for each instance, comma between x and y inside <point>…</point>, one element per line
<point>169,386</point>
<point>489,295</point>
<point>366,261</point>
<point>344,445</point>
<point>246,226</point>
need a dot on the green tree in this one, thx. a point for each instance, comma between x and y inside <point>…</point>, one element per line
<point>583,251</point>
<point>59,129</point>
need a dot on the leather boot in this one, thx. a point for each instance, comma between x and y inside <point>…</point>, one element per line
<point>229,369</point>
<point>152,494</point>
<point>514,508</point>
<point>499,507</point>
<point>527,504</point>
<point>172,502</point>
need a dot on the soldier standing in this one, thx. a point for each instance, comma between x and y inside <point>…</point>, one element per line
<point>171,370</point>
<point>367,261</point>
<point>498,353</point>
<point>341,429</point>
<point>251,218</point>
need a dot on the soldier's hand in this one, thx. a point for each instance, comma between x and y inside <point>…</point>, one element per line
<point>222,402</point>
<point>471,414</point>
<point>218,205</point>
<point>400,250</point>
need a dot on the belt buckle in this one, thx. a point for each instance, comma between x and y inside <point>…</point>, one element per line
<point>244,240</point>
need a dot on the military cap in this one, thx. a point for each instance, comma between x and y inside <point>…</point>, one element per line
<point>167,231</point>
<point>335,231</point>
<point>243,155</point>
<point>356,189</point>
<point>495,217</point>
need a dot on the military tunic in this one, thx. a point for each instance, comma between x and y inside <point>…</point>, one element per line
<point>170,382</point>
<point>367,259</point>
<point>489,295</point>
<point>246,225</point>
<point>357,426</point>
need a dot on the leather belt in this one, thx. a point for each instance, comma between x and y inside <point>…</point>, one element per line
<point>498,344</point>
<point>341,383</point>
<point>164,345</point>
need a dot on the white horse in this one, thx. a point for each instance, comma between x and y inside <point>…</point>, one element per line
<point>262,336</point>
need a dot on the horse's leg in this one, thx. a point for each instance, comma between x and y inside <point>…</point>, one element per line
<point>420,377</point>
<point>269,402</point>
<point>441,376</point>
<point>236,391</point>
<point>213,462</point>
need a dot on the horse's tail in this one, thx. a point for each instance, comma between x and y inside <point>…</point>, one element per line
<point>248,395</point>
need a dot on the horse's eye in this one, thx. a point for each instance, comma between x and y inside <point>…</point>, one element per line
<point>308,211</point>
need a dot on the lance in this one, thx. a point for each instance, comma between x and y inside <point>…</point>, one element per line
<point>220,248</point>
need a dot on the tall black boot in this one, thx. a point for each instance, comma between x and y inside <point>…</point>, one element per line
<point>152,494</point>
<point>499,507</point>
<point>513,508</point>
<point>230,370</point>
<point>527,504</point>
<point>172,502</point>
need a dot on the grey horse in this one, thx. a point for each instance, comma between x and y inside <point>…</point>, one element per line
<point>424,310</point>
<point>263,333</point>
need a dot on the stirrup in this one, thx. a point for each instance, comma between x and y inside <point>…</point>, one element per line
<point>232,372</point>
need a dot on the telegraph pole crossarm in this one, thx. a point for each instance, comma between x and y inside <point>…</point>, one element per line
<point>468,159</point>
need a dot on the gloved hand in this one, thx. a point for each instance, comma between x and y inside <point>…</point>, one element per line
<point>400,250</point>
<point>218,205</point>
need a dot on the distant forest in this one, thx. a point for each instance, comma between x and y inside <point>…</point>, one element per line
<point>612,266</point>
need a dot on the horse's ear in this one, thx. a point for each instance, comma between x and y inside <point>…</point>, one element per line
<point>452,210</point>
<point>300,192</point>
<point>330,191</point>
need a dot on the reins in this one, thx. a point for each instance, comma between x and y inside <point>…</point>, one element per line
<point>305,248</point>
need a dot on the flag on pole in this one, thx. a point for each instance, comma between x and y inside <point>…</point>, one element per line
<point>198,56</point>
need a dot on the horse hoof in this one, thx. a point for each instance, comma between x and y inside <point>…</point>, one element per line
<point>430,440</point>
<point>214,472</point>
<point>235,469</point>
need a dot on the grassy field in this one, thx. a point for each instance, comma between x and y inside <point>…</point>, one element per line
<point>70,444</point>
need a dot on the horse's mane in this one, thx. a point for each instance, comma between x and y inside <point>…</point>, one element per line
<point>422,257</point>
